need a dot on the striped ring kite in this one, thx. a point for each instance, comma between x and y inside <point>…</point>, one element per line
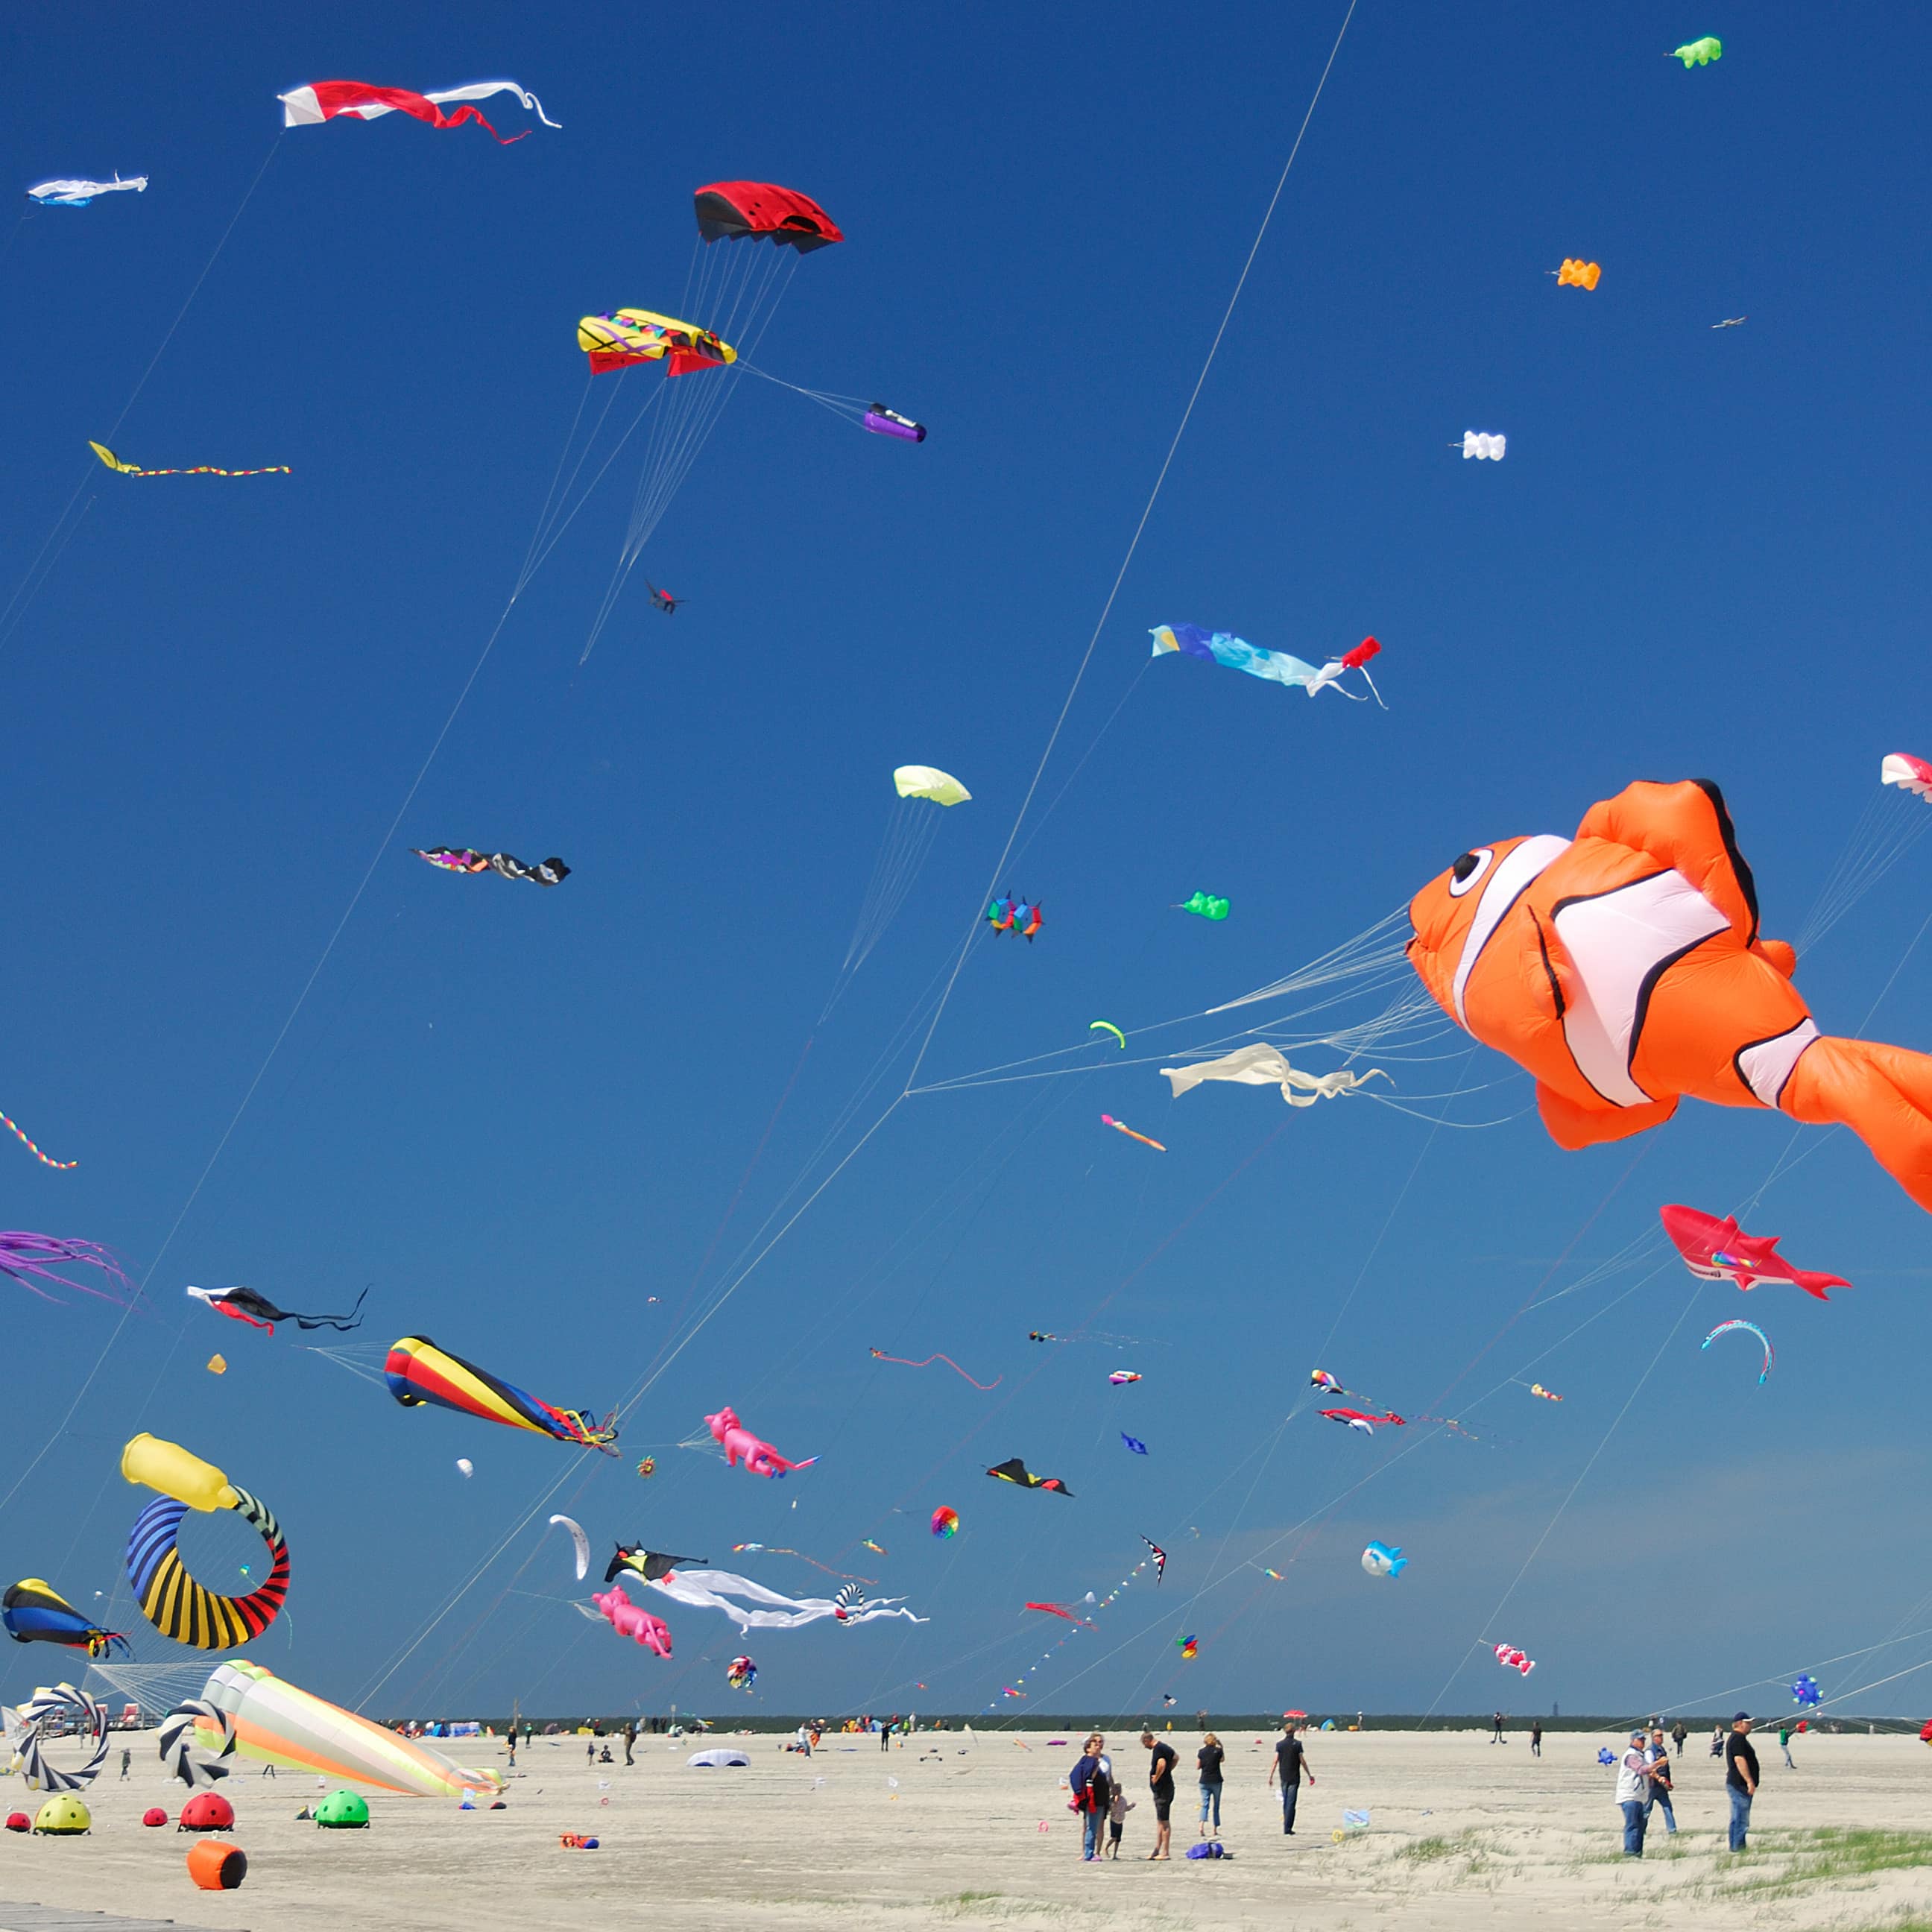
<point>188,1612</point>
<point>61,1704</point>
<point>179,1741</point>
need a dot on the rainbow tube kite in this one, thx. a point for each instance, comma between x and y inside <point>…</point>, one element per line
<point>277,1724</point>
<point>418,1372</point>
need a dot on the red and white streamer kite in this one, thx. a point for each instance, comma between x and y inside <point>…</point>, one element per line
<point>323,99</point>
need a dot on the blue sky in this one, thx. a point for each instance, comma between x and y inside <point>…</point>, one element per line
<point>521,1115</point>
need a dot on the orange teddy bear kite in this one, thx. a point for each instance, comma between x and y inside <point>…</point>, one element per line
<point>1623,968</point>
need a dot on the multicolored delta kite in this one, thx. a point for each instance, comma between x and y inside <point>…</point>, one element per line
<point>418,1372</point>
<point>460,859</point>
<point>1012,1470</point>
<point>626,337</point>
<point>244,1304</point>
<point>1624,968</point>
<point>324,99</point>
<point>114,462</point>
<point>34,1612</point>
<point>1279,667</point>
<point>1159,1556</point>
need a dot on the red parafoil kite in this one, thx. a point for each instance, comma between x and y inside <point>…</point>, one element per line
<point>763,212</point>
<point>1624,969</point>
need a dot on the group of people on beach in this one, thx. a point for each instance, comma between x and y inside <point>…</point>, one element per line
<point>1644,1780</point>
<point>1099,1794</point>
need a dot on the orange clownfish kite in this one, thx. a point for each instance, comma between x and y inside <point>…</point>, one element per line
<point>1624,969</point>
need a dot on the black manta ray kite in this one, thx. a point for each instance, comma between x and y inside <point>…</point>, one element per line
<point>1012,1470</point>
<point>649,1564</point>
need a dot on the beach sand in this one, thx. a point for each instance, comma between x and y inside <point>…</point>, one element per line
<point>1462,1832</point>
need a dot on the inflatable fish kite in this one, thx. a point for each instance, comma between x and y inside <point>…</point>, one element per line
<point>1510,1658</point>
<point>79,193</point>
<point>1355,1418</point>
<point>1012,1470</point>
<point>34,1612</point>
<point>1720,1250</point>
<point>1264,1066</point>
<point>324,99</point>
<point>1382,1559</point>
<point>114,462</point>
<point>460,859</point>
<point>1624,969</point>
<point>1278,666</point>
<point>244,1304</point>
<point>418,1372</point>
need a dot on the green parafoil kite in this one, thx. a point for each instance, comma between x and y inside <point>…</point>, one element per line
<point>1206,904</point>
<point>1700,53</point>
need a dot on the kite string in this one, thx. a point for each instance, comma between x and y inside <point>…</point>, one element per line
<point>1133,544</point>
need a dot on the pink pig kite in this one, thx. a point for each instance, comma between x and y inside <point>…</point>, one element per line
<point>739,1444</point>
<point>628,1620</point>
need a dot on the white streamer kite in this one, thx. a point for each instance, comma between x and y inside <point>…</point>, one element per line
<point>1264,1066</point>
<point>713,1590</point>
<point>79,193</point>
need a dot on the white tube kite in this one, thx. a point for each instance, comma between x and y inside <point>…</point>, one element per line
<point>1264,1067</point>
<point>1487,448</point>
<point>278,1724</point>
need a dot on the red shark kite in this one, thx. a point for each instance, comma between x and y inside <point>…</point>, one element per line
<point>1720,1250</point>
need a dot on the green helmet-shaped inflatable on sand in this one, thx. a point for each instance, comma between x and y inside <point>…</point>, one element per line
<point>342,1811</point>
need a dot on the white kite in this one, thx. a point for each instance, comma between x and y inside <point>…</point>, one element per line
<point>1488,449</point>
<point>583,1543</point>
<point>713,1590</point>
<point>324,99</point>
<point>1264,1066</point>
<point>79,193</point>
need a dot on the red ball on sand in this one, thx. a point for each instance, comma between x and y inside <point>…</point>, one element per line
<point>154,1815</point>
<point>19,1821</point>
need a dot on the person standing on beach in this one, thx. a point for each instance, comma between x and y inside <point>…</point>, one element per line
<point>1784,1744</point>
<point>1536,1737</point>
<point>1633,1791</point>
<point>1659,1754</point>
<point>886,1734</point>
<point>1092,1793</point>
<point>1497,1737</point>
<point>1740,1777</point>
<point>1208,1762</point>
<point>1291,1760</point>
<point>1677,1735</point>
<point>1717,1740</point>
<point>1118,1806</point>
<point>1160,1784</point>
<point>630,1740</point>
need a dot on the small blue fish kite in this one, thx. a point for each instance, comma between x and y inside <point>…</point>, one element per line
<point>1138,1447</point>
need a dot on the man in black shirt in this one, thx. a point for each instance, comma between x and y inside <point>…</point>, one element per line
<point>1160,1783</point>
<point>1291,1760</point>
<point>1740,1777</point>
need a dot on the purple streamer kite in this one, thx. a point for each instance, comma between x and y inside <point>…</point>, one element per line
<point>22,1255</point>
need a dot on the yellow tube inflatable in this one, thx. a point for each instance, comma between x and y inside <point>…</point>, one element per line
<point>177,1472</point>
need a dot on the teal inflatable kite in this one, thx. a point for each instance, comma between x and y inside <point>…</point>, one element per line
<point>1205,904</point>
<point>1700,53</point>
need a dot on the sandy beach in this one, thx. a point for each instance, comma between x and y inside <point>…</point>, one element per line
<point>1461,1831</point>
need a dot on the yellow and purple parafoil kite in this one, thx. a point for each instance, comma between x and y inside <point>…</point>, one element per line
<point>626,337</point>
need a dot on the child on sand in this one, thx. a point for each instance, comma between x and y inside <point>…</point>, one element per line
<point>1118,1808</point>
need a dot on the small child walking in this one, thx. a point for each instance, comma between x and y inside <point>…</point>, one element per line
<point>1118,1808</point>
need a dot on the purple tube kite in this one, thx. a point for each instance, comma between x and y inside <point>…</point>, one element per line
<point>883,421</point>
